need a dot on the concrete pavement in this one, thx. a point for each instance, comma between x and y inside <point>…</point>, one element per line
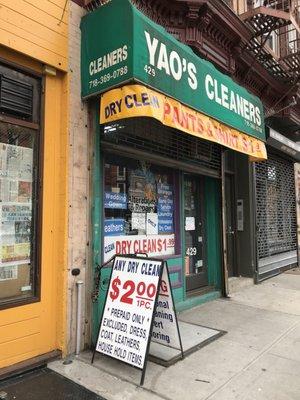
<point>258,358</point>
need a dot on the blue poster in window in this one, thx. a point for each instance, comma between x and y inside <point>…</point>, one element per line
<point>115,200</point>
<point>164,205</point>
<point>114,227</point>
<point>165,227</point>
<point>165,215</point>
<point>163,189</point>
<point>165,222</point>
<point>165,208</point>
<point>165,200</point>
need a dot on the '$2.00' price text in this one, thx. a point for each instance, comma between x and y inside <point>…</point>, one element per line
<point>144,293</point>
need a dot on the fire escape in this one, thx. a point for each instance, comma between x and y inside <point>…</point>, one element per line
<point>275,43</point>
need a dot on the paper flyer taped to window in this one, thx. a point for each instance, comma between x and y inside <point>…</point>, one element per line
<point>8,273</point>
<point>189,223</point>
<point>19,162</point>
<point>7,228</point>
<point>16,162</point>
<point>15,233</point>
<point>3,160</point>
<point>16,252</point>
<point>25,173</point>
<point>16,212</point>
<point>138,221</point>
<point>152,224</point>
<point>9,190</point>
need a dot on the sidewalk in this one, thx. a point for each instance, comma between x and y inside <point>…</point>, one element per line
<point>258,358</point>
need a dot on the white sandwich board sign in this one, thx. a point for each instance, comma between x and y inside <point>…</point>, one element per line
<point>165,327</point>
<point>133,311</point>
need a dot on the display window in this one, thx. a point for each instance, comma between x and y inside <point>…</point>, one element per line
<point>139,208</point>
<point>17,147</point>
<point>19,155</point>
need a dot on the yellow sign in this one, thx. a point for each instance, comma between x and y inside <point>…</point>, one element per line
<point>140,101</point>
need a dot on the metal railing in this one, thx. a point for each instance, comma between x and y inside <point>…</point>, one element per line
<point>280,5</point>
<point>277,30</point>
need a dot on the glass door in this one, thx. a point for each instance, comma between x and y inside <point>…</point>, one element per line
<point>195,266</point>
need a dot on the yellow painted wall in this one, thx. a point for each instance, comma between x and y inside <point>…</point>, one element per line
<point>37,28</point>
<point>38,328</point>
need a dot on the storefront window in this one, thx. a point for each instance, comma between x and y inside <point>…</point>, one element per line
<point>139,208</point>
<point>17,213</point>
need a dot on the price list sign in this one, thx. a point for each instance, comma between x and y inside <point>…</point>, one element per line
<point>128,313</point>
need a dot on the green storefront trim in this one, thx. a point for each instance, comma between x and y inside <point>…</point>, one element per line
<point>212,203</point>
<point>120,45</point>
<point>213,209</point>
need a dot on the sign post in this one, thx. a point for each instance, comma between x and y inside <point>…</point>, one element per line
<point>133,308</point>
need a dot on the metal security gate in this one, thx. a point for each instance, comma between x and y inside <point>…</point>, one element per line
<point>275,215</point>
<point>146,138</point>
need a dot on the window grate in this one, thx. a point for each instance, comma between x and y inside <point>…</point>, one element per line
<point>16,97</point>
<point>151,136</point>
<point>276,206</point>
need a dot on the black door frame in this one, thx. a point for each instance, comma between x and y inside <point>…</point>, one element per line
<point>231,231</point>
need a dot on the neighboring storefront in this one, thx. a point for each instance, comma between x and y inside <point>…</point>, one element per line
<point>297,188</point>
<point>163,118</point>
<point>33,191</point>
<point>276,207</point>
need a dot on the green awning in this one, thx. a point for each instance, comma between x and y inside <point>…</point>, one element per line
<point>120,45</point>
